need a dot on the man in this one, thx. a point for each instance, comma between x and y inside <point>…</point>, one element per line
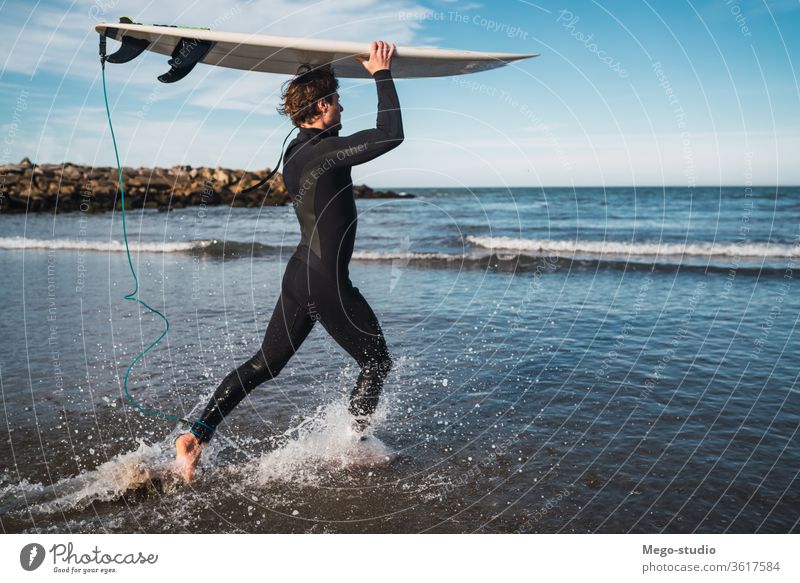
<point>316,284</point>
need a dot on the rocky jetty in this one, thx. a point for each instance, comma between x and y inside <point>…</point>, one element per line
<point>29,187</point>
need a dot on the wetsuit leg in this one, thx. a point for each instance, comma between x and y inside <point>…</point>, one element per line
<point>349,319</point>
<point>289,325</point>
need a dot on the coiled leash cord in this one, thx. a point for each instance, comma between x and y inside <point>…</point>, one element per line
<point>132,296</point>
<point>204,429</point>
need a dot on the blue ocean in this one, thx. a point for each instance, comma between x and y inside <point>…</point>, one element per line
<point>566,361</point>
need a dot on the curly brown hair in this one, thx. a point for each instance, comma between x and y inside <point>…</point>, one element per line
<point>301,93</point>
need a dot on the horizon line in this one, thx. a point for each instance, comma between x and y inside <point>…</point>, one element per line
<point>614,186</point>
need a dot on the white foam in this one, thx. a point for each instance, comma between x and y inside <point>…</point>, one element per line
<point>20,243</point>
<point>387,255</point>
<point>110,480</point>
<point>699,248</point>
<point>321,444</point>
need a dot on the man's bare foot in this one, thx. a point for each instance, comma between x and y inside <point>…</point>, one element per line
<point>187,454</point>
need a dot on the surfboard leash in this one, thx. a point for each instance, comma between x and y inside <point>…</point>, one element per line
<point>132,296</point>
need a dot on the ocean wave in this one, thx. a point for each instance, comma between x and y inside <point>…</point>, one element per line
<point>503,254</point>
<point>403,256</point>
<point>624,248</point>
<point>517,262</point>
<point>110,245</point>
<point>212,247</point>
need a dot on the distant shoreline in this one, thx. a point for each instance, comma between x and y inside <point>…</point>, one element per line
<point>27,187</point>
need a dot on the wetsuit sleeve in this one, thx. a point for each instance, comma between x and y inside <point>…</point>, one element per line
<point>368,144</point>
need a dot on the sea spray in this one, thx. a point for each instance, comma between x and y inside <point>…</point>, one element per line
<point>319,445</point>
<point>109,481</point>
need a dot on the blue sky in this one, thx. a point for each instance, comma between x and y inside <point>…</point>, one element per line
<point>624,92</point>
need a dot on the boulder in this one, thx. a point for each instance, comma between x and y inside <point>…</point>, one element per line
<point>28,187</point>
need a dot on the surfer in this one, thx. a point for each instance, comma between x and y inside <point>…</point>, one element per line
<point>316,285</point>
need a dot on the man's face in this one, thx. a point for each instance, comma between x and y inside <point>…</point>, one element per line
<point>332,112</point>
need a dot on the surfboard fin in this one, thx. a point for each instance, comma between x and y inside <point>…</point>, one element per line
<point>188,52</point>
<point>130,49</point>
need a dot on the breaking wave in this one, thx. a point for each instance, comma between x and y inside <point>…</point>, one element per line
<point>624,248</point>
<point>211,247</point>
<point>506,254</point>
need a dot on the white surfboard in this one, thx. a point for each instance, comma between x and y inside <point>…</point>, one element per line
<point>284,54</point>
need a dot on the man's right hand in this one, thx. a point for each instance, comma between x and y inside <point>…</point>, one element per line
<point>380,57</point>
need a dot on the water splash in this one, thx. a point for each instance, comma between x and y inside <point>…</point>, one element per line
<point>323,444</point>
<point>149,466</point>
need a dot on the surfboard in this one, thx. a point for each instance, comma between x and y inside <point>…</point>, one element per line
<point>284,54</point>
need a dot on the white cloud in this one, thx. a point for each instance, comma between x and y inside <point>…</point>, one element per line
<point>42,38</point>
<point>252,93</point>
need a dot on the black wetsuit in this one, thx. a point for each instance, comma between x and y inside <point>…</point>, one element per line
<point>316,284</point>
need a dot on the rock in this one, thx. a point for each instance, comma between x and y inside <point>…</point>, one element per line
<point>71,172</point>
<point>28,187</point>
<point>221,176</point>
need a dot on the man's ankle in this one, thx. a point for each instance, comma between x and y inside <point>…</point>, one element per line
<point>360,423</point>
<point>201,431</point>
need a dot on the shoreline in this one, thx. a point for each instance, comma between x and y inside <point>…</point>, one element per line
<point>27,187</point>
